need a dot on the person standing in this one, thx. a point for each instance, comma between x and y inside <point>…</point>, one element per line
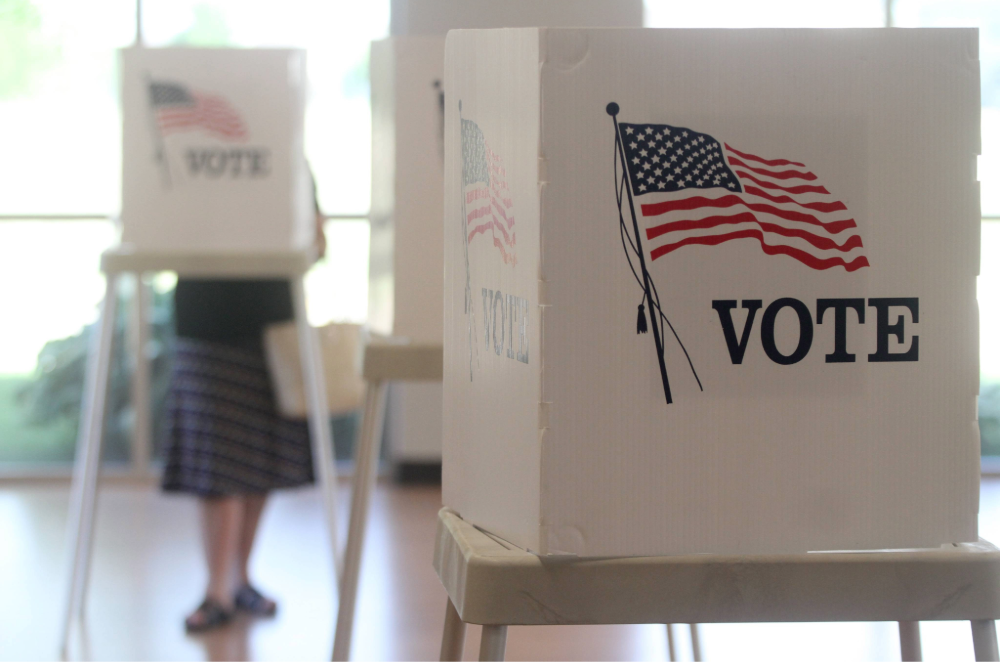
<point>225,441</point>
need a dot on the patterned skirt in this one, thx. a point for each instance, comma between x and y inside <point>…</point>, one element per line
<point>223,432</point>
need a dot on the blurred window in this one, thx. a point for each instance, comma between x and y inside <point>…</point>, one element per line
<point>53,289</point>
<point>60,128</point>
<point>60,125</point>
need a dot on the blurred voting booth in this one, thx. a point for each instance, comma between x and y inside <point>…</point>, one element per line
<point>213,152</point>
<point>214,185</point>
<point>712,290</point>
<point>407,236</point>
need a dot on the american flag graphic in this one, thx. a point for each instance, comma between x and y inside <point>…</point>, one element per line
<point>692,189</point>
<point>177,108</point>
<point>489,209</point>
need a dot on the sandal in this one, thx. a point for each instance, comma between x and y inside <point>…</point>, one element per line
<point>209,615</point>
<point>251,600</point>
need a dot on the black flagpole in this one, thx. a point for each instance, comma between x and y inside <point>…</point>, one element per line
<point>653,316</point>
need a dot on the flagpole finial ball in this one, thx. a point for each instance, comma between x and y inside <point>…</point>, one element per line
<point>612,108</point>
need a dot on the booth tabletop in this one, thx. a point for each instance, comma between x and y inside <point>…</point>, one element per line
<point>399,359</point>
<point>277,264</point>
<point>495,583</point>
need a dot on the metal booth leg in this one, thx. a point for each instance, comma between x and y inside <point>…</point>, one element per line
<point>365,466</point>
<point>320,433</point>
<point>984,640</point>
<point>671,650</point>
<point>453,639</point>
<point>83,493</point>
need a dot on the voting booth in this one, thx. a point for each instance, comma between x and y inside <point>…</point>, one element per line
<point>214,185</point>
<point>712,290</point>
<point>407,236</point>
<point>212,150</point>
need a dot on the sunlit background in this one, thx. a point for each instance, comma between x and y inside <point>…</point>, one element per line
<point>60,172</point>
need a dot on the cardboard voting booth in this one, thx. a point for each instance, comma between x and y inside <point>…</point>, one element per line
<point>406,269</point>
<point>213,152</point>
<point>407,241</point>
<point>712,290</point>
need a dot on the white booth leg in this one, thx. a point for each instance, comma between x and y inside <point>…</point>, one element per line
<point>88,455</point>
<point>984,640</point>
<point>365,468</point>
<point>138,340</point>
<point>909,641</point>
<point>695,643</point>
<point>320,433</point>
<point>453,637</point>
<point>493,645</point>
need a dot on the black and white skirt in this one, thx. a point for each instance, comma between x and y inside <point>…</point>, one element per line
<point>223,433</point>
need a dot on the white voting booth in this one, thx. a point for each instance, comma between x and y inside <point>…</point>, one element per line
<point>407,262</point>
<point>710,304</point>
<point>406,274</point>
<point>214,184</point>
<point>728,302</point>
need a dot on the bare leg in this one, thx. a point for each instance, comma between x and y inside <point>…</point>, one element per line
<point>248,599</point>
<point>221,522</point>
<point>253,506</point>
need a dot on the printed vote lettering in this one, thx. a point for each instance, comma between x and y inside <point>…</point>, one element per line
<point>503,315</point>
<point>884,309</point>
<point>240,162</point>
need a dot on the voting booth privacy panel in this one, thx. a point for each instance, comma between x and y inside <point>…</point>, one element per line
<point>213,152</point>
<point>406,276</point>
<point>712,291</point>
<point>407,245</point>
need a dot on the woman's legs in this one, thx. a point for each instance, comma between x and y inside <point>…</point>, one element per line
<point>253,506</point>
<point>221,524</point>
<point>248,599</point>
<point>229,526</point>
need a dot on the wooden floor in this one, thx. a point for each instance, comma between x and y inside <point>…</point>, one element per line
<point>148,574</point>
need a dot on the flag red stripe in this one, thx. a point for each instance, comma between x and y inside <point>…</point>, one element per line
<point>178,124</point>
<point>822,243</point>
<point>507,257</point>
<point>478,213</point>
<point>772,162</point>
<point>480,229</point>
<point>824,207</point>
<point>472,196</point>
<point>503,214</point>
<point>805,188</point>
<point>776,174</point>
<point>805,258</point>
<point>687,204</point>
<point>491,223</point>
<point>222,118</point>
<point>223,129</point>
<point>503,231</point>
